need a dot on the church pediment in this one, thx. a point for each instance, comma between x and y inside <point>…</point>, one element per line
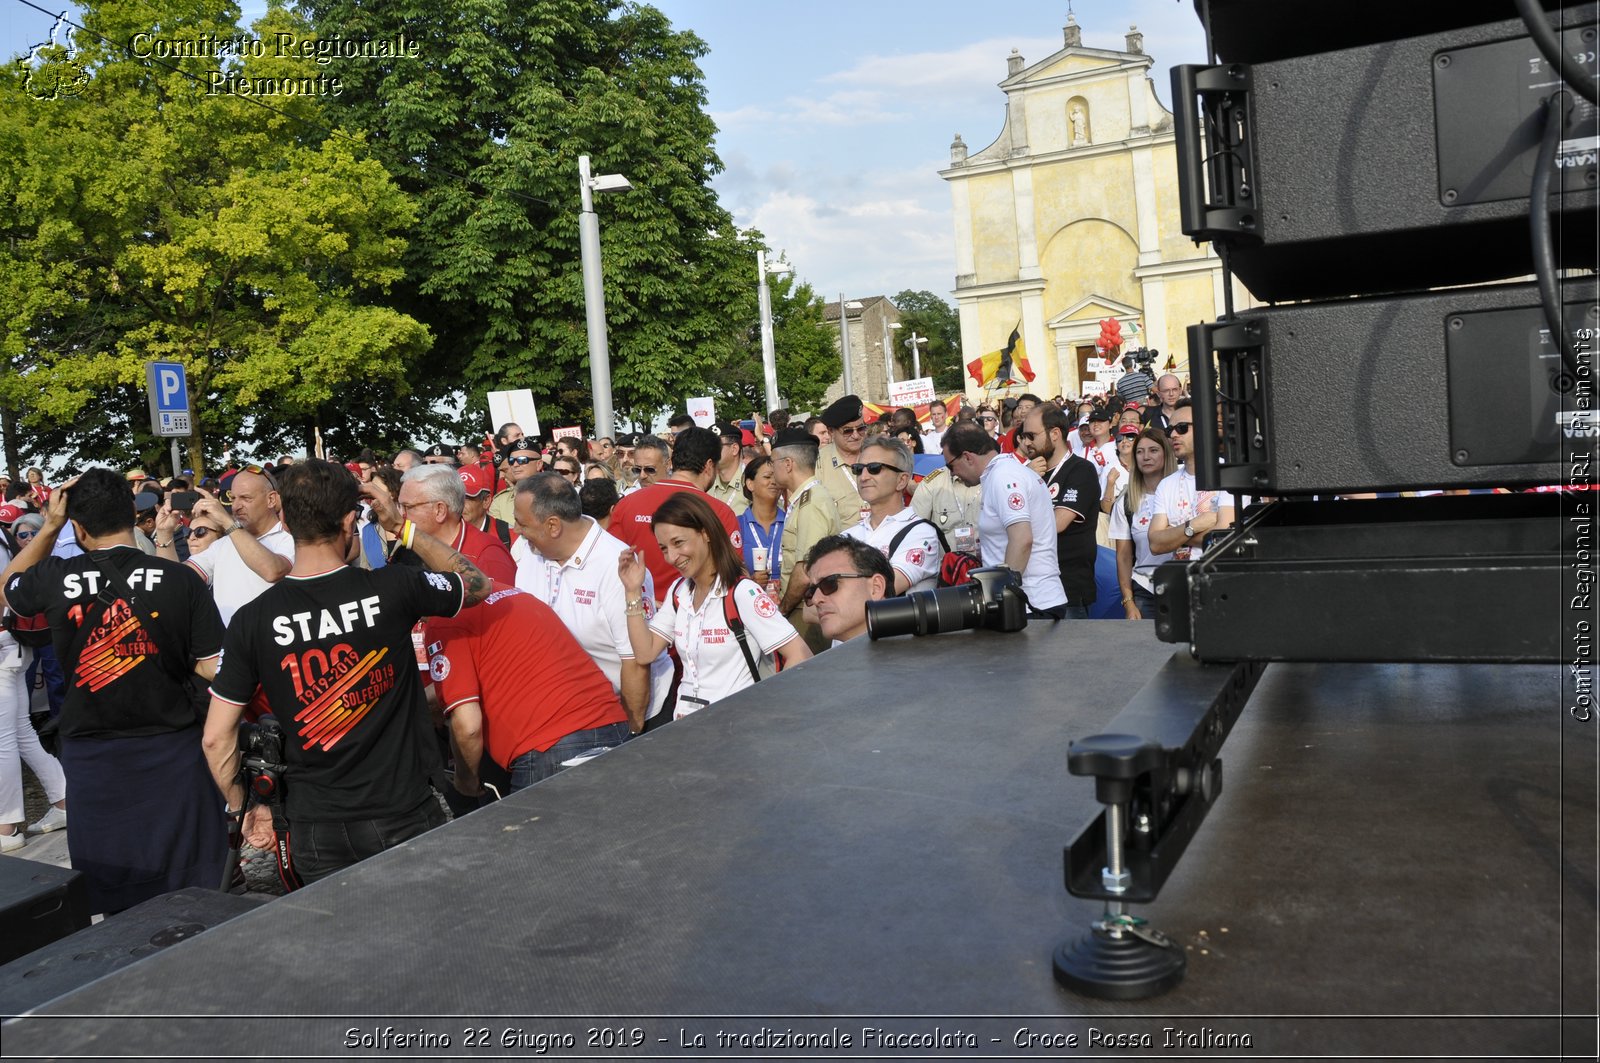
<point>1065,63</point>
<point>1092,308</point>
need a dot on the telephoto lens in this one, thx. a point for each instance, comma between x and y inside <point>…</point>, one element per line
<point>925,612</point>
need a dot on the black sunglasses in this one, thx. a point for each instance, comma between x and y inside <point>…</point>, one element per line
<point>566,470</point>
<point>1180,429</point>
<point>852,429</point>
<point>522,461</point>
<point>829,585</point>
<point>873,467</point>
<point>643,470</point>
<point>199,531</point>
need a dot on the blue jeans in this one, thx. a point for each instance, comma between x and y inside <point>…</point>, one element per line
<point>534,765</point>
<point>1075,612</point>
<point>1145,601</point>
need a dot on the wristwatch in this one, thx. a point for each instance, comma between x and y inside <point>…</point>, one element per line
<point>1188,530</point>
<point>235,526</point>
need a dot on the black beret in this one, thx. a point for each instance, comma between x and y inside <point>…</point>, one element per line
<point>794,436</point>
<point>843,412</point>
<point>524,443</point>
<point>438,451</point>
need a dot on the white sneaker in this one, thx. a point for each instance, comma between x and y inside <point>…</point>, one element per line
<point>55,819</point>
<point>13,841</point>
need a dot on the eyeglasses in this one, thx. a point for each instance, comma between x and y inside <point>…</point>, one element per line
<point>852,430</point>
<point>1179,429</point>
<point>522,461</point>
<point>566,470</point>
<point>873,467</point>
<point>829,585</point>
<point>199,531</point>
<point>642,470</point>
<point>988,420</point>
<point>406,507</point>
<point>1028,435</point>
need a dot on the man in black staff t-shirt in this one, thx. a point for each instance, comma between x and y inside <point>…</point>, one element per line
<point>129,630</point>
<point>330,645</point>
<point>1074,487</point>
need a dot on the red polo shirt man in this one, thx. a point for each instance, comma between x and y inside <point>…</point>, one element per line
<point>515,682</point>
<point>694,466</point>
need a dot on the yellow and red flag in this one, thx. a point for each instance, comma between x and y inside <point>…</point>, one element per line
<point>1006,366</point>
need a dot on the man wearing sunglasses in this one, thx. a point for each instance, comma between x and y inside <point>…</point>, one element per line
<point>522,459</point>
<point>845,574</point>
<point>847,427</point>
<point>1075,495</point>
<point>1016,525</point>
<point>910,543</point>
<point>647,463</point>
<point>1184,515</point>
<point>251,550</point>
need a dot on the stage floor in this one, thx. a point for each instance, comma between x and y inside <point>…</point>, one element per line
<point>1402,862</point>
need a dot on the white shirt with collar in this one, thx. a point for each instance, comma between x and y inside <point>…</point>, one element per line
<point>588,596</point>
<point>1179,497</point>
<point>1012,492</point>
<point>234,583</point>
<point>919,554</point>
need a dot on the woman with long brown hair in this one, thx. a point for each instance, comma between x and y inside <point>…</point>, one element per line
<point>720,624</point>
<point>1153,460</point>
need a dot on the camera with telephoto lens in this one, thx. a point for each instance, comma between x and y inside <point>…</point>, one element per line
<point>261,758</point>
<point>994,599</point>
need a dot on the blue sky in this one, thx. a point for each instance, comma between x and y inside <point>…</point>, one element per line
<point>835,117</point>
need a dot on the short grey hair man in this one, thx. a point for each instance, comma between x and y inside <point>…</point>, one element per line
<point>438,483</point>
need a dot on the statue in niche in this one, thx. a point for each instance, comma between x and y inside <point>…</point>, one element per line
<point>1080,125</point>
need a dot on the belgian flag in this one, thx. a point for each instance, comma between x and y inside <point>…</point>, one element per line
<point>1003,367</point>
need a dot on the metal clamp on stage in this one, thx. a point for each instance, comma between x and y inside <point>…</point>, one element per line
<point>1157,774</point>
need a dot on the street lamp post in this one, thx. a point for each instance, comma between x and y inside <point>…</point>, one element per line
<point>844,339</point>
<point>888,350</point>
<point>769,358</point>
<point>594,295</point>
<point>916,352</point>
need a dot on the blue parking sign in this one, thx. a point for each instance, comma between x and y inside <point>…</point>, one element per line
<point>168,388</point>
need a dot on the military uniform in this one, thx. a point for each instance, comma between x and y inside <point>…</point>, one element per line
<point>503,506</point>
<point>952,506</point>
<point>810,517</point>
<point>840,484</point>
<point>731,492</point>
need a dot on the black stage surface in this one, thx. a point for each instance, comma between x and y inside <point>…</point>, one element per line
<point>1402,862</point>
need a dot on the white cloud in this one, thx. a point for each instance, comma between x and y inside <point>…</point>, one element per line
<point>957,72</point>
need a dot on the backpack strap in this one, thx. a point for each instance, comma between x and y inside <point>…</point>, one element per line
<point>153,627</point>
<point>730,612</point>
<point>900,536</point>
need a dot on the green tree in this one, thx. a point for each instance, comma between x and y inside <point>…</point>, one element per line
<point>145,218</point>
<point>485,126</point>
<point>928,315</point>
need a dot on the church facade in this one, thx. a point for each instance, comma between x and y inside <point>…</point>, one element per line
<point>1071,217</point>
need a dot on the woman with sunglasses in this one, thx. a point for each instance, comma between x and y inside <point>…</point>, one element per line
<point>761,525</point>
<point>1153,461</point>
<point>568,467</point>
<point>701,609</point>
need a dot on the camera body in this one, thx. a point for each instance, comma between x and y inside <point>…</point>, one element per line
<point>261,758</point>
<point>1140,359</point>
<point>993,599</point>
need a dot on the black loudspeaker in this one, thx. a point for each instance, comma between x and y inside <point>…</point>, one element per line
<point>39,903</point>
<point>114,943</point>
<point>1389,167</point>
<point>1457,388</point>
<point>1258,31</point>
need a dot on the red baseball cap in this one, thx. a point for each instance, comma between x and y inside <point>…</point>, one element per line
<point>1129,430</point>
<point>476,479</point>
<point>9,513</point>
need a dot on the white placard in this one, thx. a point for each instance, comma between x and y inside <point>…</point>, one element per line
<point>1095,387</point>
<point>703,410</point>
<point>1097,365</point>
<point>567,433</point>
<point>912,392</point>
<point>514,406</point>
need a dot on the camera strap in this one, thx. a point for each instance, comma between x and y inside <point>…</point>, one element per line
<point>900,537</point>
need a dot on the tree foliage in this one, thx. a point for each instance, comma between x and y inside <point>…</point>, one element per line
<point>928,315</point>
<point>490,118</point>
<point>147,219</point>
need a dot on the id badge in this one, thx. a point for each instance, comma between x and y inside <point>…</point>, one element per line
<point>688,706</point>
<point>760,555</point>
<point>961,540</point>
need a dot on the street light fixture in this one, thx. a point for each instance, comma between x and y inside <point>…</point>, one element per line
<point>844,339</point>
<point>594,296</point>
<point>888,350</point>
<point>769,358</point>
<point>914,345</point>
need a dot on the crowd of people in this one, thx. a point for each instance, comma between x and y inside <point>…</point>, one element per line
<point>442,626</point>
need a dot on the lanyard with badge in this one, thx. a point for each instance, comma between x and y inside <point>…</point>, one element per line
<point>694,630</point>
<point>762,558</point>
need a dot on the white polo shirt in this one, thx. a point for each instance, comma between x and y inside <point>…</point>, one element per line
<point>234,583</point>
<point>1178,497</point>
<point>588,596</point>
<point>713,664</point>
<point>919,554</point>
<point>1012,492</point>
